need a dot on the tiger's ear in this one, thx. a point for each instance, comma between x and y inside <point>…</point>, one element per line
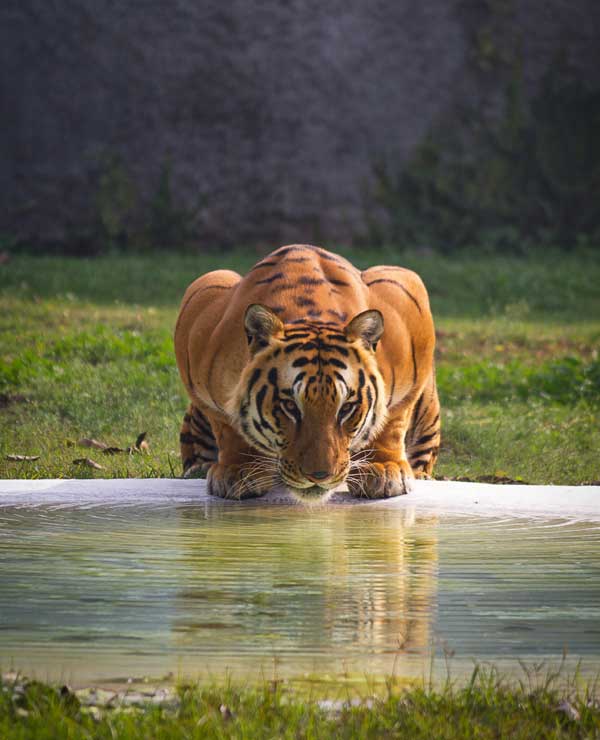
<point>260,324</point>
<point>367,326</point>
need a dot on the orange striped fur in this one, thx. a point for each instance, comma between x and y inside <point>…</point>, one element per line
<point>308,372</point>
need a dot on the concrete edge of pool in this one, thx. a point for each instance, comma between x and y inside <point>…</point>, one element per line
<point>442,497</point>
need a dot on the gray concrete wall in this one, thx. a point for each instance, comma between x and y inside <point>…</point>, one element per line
<point>271,113</point>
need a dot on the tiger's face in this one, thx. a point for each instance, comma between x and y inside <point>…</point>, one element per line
<point>310,396</point>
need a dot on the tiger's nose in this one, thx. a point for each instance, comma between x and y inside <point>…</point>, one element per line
<point>317,474</point>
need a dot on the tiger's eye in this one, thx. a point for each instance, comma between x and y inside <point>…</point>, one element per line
<point>290,406</point>
<point>346,408</point>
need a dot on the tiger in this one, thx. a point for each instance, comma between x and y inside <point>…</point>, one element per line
<point>308,373</point>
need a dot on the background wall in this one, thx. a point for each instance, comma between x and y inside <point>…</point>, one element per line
<point>248,121</point>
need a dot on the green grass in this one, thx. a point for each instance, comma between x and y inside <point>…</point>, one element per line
<point>485,708</point>
<point>548,284</point>
<point>86,351</point>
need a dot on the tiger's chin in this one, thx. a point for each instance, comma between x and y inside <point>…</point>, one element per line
<point>312,496</point>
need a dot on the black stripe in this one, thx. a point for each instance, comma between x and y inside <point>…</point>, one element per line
<point>333,348</point>
<point>260,397</point>
<point>423,412</point>
<point>292,347</point>
<point>190,439</point>
<point>414,360</point>
<point>284,250</point>
<point>417,408</point>
<point>340,261</point>
<point>338,282</point>
<point>305,280</point>
<point>253,378</point>
<point>399,285</point>
<point>280,287</point>
<point>302,302</point>
<point>364,422</point>
<point>259,430</point>
<point>193,439</point>
<point>246,430</point>
<point>340,377</point>
<point>264,281</point>
<point>260,265</point>
<point>425,438</point>
<point>302,361</point>
<point>329,255</point>
<point>373,380</point>
<point>306,346</point>
<point>337,363</point>
<point>291,335</point>
<point>433,423</point>
<point>422,453</point>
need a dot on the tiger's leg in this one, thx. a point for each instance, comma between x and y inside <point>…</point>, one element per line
<point>386,470</point>
<point>241,472</point>
<point>198,444</point>
<point>423,437</point>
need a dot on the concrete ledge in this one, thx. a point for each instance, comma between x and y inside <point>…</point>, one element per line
<point>442,497</point>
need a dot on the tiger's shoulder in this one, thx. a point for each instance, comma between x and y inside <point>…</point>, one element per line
<point>392,280</point>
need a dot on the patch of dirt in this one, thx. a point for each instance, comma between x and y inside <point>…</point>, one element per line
<point>7,400</point>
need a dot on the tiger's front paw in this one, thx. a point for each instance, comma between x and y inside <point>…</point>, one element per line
<point>234,482</point>
<point>382,480</point>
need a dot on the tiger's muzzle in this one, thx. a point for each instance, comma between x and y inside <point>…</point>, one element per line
<point>313,486</point>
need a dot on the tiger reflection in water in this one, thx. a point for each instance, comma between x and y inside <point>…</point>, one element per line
<point>346,585</point>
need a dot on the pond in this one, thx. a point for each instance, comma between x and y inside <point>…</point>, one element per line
<point>100,584</point>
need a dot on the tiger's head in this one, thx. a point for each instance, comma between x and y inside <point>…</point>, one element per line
<point>310,396</point>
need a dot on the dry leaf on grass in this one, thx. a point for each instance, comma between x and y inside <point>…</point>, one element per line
<point>141,444</point>
<point>22,458</point>
<point>88,463</point>
<point>86,442</point>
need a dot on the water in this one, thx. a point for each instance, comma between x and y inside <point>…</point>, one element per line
<point>103,592</point>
